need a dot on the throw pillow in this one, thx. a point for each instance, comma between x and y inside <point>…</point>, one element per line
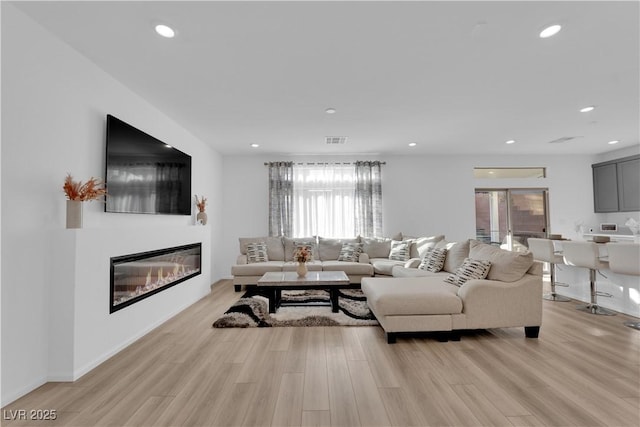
<point>423,244</point>
<point>257,252</point>
<point>506,266</point>
<point>376,247</point>
<point>456,254</point>
<point>400,250</point>
<point>350,252</point>
<point>470,269</point>
<point>433,261</point>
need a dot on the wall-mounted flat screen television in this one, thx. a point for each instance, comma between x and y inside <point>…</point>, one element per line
<point>144,174</point>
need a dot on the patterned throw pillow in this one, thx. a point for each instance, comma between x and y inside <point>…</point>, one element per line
<point>400,250</point>
<point>257,252</point>
<point>470,269</point>
<point>433,260</point>
<point>350,252</point>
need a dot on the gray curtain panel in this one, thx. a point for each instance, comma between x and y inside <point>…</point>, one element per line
<point>368,198</point>
<point>280,198</point>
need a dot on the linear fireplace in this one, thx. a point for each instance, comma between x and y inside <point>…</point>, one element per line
<point>135,277</point>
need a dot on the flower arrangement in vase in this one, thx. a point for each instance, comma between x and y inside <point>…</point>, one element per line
<point>78,192</point>
<point>201,204</point>
<point>91,190</point>
<point>303,255</point>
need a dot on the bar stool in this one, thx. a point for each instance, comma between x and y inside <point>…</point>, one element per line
<point>624,258</point>
<point>543,250</point>
<point>586,254</point>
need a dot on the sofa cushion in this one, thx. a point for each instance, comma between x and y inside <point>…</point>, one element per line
<point>350,252</point>
<point>400,271</point>
<point>329,248</point>
<point>456,254</point>
<point>421,245</point>
<point>376,247</point>
<point>350,268</point>
<point>291,243</point>
<point>257,252</point>
<point>400,250</point>
<point>433,260</point>
<point>275,247</point>
<point>411,296</point>
<point>470,269</point>
<point>384,265</point>
<point>506,266</point>
<point>256,269</point>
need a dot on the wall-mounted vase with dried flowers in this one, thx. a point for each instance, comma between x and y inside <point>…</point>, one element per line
<point>77,192</point>
<point>201,216</point>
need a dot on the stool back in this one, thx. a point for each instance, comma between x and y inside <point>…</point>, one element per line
<point>542,249</point>
<point>581,254</point>
<point>624,258</point>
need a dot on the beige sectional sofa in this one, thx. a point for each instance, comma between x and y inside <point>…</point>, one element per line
<point>378,251</point>
<point>280,258</point>
<point>415,300</point>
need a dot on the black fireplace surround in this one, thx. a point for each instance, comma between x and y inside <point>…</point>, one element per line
<point>135,277</point>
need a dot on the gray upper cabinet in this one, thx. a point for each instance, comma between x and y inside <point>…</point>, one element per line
<point>616,185</point>
<point>629,185</point>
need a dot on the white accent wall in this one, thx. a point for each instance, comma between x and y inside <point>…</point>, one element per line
<point>54,104</point>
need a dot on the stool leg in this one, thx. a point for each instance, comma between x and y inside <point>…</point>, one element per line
<point>593,307</point>
<point>552,296</point>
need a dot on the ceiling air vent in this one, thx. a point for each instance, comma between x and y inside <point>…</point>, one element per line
<point>563,139</point>
<point>332,140</point>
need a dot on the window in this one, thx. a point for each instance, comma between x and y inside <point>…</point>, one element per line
<point>324,200</point>
<point>330,200</point>
<point>505,173</point>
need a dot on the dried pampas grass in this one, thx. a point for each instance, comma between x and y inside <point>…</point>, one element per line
<point>91,190</point>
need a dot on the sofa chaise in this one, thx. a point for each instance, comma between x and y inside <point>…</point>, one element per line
<point>419,300</point>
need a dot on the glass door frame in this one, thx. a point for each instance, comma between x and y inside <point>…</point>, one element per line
<point>508,191</point>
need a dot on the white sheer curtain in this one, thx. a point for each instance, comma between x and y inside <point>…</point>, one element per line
<point>324,200</point>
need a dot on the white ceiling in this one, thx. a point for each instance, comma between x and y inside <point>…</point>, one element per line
<point>455,77</point>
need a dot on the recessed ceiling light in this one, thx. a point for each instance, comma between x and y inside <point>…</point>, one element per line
<point>550,31</point>
<point>330,110</point>
<point>254,145</point>
<point>613,142</point>
<point>413,144</point>
<point>165,31</point>
<point>587,109</point>
<point>511,141</point>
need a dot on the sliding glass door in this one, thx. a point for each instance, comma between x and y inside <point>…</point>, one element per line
<point>508,217</point>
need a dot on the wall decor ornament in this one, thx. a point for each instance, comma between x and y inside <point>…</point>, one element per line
<point>78,192</point>
<point>201,216</point>
<point>74,214</point>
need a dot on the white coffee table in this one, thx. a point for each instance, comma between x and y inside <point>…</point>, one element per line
<point>274,282</point>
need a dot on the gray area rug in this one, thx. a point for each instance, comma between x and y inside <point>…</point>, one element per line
<point>252,310</point>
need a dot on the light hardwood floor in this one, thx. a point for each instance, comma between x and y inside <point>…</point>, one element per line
<point>584,370</point>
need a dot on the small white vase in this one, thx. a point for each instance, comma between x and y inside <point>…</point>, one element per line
<point>74,214</point>
<point>201,218</point>
<point>302,269</point>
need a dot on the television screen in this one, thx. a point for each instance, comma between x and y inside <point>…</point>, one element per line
<point>143,174</point>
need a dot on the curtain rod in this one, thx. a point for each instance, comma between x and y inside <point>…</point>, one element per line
<point>324,163</point>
